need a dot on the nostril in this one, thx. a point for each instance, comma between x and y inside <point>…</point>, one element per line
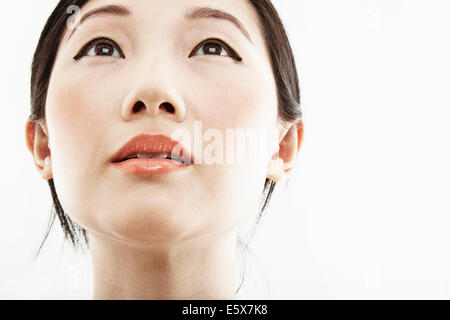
<point>168,107</point>
<point>138,106</point>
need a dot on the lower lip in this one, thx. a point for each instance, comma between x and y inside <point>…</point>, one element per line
<point>150,166</point>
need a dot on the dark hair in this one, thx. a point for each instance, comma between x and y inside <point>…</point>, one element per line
<point>283,66</point>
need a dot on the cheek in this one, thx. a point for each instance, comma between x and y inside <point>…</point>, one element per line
<point>235,97</point>
<point>77,120</point>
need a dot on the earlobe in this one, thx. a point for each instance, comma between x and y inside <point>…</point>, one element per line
<point>47,172</point>
<point>37,143</point>
<point>275,170</point>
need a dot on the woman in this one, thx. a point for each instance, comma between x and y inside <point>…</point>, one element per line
<point>108,72</point>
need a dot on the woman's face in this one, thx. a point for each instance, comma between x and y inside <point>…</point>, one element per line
<point>89,116</point>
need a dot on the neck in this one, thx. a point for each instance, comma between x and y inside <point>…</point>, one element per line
<point>198,269</point>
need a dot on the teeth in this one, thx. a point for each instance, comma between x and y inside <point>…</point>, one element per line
<point>153,155</point>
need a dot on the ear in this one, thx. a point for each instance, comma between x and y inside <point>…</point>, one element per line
<point>36,136</point>
<point>283,160</point>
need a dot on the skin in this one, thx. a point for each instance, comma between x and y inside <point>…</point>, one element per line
<point>171,236</point>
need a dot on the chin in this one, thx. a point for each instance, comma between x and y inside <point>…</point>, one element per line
<point>148,223</point>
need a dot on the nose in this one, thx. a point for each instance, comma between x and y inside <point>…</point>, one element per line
<point>152,94</point>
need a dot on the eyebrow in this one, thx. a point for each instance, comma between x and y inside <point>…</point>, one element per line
<point>207,13</point>
<point>195,13</point>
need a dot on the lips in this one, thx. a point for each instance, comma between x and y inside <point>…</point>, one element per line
<point>153,146</point>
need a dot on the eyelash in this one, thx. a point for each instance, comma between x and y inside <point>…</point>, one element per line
<point>91,44</point>
<point>219,42</point>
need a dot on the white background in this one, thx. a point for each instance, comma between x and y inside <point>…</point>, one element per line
<point>366,212</point>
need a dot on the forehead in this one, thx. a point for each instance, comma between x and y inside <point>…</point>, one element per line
<point>176,10</point>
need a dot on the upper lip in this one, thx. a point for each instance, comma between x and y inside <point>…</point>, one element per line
<point>155,143</point>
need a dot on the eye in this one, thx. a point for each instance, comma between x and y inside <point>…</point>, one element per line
<point>215,47</point>
<point>100,47</point>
